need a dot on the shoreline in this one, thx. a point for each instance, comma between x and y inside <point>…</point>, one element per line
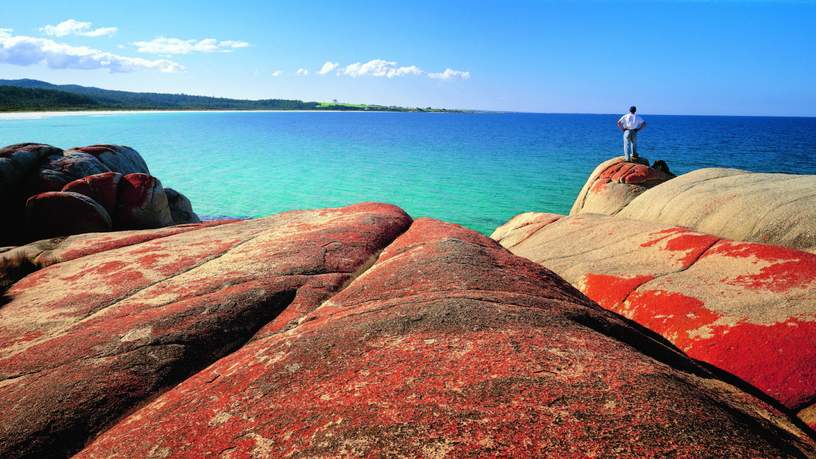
<point>51,114</point>
<point>29,115</point>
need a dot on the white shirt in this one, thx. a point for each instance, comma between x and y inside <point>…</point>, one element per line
<point>631,121</point>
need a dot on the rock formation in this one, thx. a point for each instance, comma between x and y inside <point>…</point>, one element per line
<point>744,307</point>
<point>41,184</point>
<point>348,331</point>
<point>17,164</point>
<point>102,188</point>
<point>85,340</point>
<point>735,204</point>
<point>64,212</point>
<point>615,183</point>
<point>730,203</point>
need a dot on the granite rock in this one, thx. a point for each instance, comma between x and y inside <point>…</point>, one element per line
<point>62,213</point>
<point>744,307</point>
<point>141,203</point>
<point>615,183</point>
<point>450,346</point>
<point>775,209</point>
<point>102,188</point>
<point>85,340</point>
<point>181,209</point>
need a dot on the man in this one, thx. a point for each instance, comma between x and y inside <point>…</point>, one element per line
<point>630,124</point>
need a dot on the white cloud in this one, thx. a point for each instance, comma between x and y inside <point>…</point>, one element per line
<point>277,73</point>
<point>328,67</point>
<point>24,50</point>
<point>449,74</point>
<point>380,68</point>
<point>302,72</point>
<point>165,45</point>
<point>74,27</point>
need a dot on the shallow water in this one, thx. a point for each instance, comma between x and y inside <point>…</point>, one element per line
<point>474,169</point>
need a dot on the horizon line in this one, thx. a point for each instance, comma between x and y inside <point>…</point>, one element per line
<point>403,106</point>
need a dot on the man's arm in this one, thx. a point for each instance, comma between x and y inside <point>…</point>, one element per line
<point>620,126</point>
<point>642,125</point>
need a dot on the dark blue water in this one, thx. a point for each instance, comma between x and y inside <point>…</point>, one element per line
<point>475,169</point>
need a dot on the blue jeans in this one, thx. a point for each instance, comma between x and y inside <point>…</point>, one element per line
<point>629,144</point>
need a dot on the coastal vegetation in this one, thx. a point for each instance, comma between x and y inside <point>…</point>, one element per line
<point>35,95</point>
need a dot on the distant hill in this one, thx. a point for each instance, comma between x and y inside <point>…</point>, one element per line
<point>14,99</point>
<point>35,95</point>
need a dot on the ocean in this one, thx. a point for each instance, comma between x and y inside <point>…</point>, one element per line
<point>475,169</point>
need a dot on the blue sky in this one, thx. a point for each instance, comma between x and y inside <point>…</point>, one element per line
<point>684,57</point>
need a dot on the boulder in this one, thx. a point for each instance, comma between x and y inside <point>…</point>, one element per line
<point>776,209</point>
<point>142,203</point>
<point>56,171</point>
<point>61,213</point>
<point>615,183</point>
<point>84,341</point>
<point>19,161</point>
<point>102,188</point>
<point>450,346</point>
<point>117,158</point>
<point>95,171</point>
<point>17,164</point>
<point>181,209</point>
<point>746,308</point>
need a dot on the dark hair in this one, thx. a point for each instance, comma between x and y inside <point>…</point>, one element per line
<point>632,109</point>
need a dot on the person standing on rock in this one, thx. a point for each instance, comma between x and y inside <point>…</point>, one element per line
<point>630,124</point>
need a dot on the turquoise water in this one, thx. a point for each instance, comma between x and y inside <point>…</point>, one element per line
<point>474,169</point>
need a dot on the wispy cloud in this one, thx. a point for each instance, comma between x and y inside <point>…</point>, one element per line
<point>277,73</point>
<point>328,67</point>
<point>24,50</point>
<point>379,68</point>
<point>450,74</point>
<point>165,45</point>
<point>302,72</point>
<point>74,27</point>
<point>389,69</point>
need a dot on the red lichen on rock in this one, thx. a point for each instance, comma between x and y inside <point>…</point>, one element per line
<point>782,269</point>
<point>679,239</point>
<point>117,326</point>
<point>631,173</point>
<point>135,188</point>
<point>11,339</point>
<point>671,314</point>
<point>449,345</point>
<point>609,291</point>
<point>141,203</point>
<point>102,188</point>
<point>97,149</point>
<point>779,359</point>
<point>599,185</point>
<point>614,184</point>
<point>80,246</point>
